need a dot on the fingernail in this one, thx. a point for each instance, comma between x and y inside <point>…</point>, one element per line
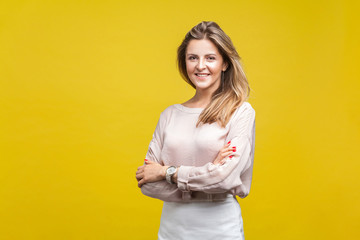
<point>230,156</point>
<point>146,159</point>
<point>229,142</point>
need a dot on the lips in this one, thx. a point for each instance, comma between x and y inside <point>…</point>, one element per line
<point>202,74</point>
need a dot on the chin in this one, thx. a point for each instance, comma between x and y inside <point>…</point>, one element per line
<point>203,85</point>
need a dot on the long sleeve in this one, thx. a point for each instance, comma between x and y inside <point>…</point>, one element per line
<point>235,175</point>
<point>161,189</point>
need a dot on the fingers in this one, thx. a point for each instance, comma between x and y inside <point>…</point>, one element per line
<point>226,146</point>
<point>223,161</point>
<point>140,173</point>
<point>142,181</point>
<point>225,154</point>
<point>227,151</point>
<point>147,161</point>
<point>139,176</point>
<point>140,170</point>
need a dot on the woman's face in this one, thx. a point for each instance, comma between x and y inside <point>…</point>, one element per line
<point>204,64</point>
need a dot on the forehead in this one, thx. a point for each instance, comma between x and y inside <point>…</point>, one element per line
<point>201,47</point>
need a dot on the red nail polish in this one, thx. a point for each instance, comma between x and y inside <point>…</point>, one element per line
<point>146,159</point>
<point>229,142</point>
<point>230,156</point>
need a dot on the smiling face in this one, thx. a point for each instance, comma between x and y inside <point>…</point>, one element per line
<point>204,64</point>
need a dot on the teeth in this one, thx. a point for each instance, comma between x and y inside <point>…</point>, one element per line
<point>202,75</point>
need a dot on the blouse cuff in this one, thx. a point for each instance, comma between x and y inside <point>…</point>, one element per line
<point>183,178</point>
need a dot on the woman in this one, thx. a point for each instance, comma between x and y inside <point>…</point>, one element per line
<point>201,154</point>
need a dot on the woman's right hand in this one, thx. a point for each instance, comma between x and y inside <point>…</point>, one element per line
<point>226,151</point>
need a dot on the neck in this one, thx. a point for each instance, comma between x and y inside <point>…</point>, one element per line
<point>201,98</point>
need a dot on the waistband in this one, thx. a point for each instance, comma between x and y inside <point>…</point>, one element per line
<point>204,197</point>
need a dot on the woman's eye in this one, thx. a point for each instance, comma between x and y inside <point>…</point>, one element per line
<point>211,58</point>
<point>191,58</point>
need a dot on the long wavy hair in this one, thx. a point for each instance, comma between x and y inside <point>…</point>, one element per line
<point>234,88</point>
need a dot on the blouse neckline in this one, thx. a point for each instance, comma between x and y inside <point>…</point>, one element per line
<point>199,110</point>
<point>188,109</point>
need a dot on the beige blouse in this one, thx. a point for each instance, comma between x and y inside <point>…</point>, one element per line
<point>178,142</point>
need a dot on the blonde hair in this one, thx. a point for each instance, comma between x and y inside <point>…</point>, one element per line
<point>234,88</point>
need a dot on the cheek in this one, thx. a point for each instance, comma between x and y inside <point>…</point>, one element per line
<point>215,68</point>
<point>190,67</point>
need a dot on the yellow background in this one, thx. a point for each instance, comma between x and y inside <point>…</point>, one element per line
<point>82,84</point>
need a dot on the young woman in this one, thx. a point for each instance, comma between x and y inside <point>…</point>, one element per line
<point>202,151</point>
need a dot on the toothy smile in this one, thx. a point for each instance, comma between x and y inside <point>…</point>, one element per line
<point>202,74</point>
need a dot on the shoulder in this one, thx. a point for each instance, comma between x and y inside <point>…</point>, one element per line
<point>243,120</point>
<point>244,109</point>
<point>168,109</point>
<point>244,113</point>
<point>167,112</point>
<point>246,105</point>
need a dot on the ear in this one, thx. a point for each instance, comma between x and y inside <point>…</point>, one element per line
<point>225,66</point>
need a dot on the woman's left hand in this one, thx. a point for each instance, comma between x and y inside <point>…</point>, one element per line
<point>150,172</point>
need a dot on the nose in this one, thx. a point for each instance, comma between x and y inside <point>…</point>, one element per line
<point>201,64</point>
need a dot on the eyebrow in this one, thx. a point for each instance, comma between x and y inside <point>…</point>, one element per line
<point>205,54</point>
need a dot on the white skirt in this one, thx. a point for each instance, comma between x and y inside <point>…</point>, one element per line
<point>202,221</point>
